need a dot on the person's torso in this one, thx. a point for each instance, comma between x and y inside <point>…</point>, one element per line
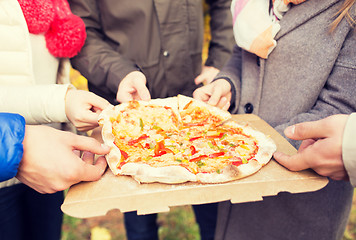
<point>285,85</point>
<point>164,38</point>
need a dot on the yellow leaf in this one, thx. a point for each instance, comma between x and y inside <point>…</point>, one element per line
<point>100,233</point>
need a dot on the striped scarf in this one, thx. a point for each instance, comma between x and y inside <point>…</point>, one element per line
<point>256,24</point>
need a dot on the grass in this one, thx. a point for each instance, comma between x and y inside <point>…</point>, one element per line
<point>179,223</point>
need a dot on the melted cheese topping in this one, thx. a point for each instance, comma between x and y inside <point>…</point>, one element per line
<point>134,121</point>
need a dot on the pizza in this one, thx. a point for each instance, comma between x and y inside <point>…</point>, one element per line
<point>180,139</point>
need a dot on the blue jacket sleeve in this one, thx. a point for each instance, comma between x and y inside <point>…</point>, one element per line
<point>12,133</point>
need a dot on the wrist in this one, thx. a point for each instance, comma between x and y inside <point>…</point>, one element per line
<point>67,101</point>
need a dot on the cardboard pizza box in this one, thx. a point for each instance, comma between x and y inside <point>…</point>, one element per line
<point>90,199</point>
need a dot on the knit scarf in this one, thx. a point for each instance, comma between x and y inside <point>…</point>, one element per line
<point>256,24</point>
<point>64,32</point>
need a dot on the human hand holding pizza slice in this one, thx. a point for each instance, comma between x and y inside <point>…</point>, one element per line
<point>217,93</point>
<point>133,87</point>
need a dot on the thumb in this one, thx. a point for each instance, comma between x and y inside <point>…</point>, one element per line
<point>139,84</point>
<point>199,79</point>
<point>143,93</point>
<point>124,96</point>
<point>294,163</point>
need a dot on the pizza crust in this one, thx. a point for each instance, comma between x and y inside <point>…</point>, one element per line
<point>230,173</point>
<point>145,173</point>
<point>114,156</point>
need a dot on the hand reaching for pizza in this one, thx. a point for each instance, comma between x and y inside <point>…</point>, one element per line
<point>83,108</point>
<point>321,147</point>
<point>50,164</point>
<point>217,93</point>
<point>133,87</point>
<point>207,75</point>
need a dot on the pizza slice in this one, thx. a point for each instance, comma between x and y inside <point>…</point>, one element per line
<point>230,152</point>
<point>132,128</point>
<point>197,113</point>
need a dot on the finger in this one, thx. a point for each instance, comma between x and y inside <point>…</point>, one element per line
<point>91,117</point>
<point>226,106</point>
<point>301,131</point>
<point>98,102</point>
<point>294,163</point>
<point>201,94</point>
<point>94,172</point>
<point>124,96</point>
<point>199,79</point>
<point>77,152</point>
<point>89,144</point>
<point>88,157</point>
<point>221,104</point>
<point>216,96</point>
<point>143,93</point>
<point>86,126</point>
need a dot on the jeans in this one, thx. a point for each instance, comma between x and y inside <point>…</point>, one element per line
<point>144,227</point>
<point>28,215</point>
